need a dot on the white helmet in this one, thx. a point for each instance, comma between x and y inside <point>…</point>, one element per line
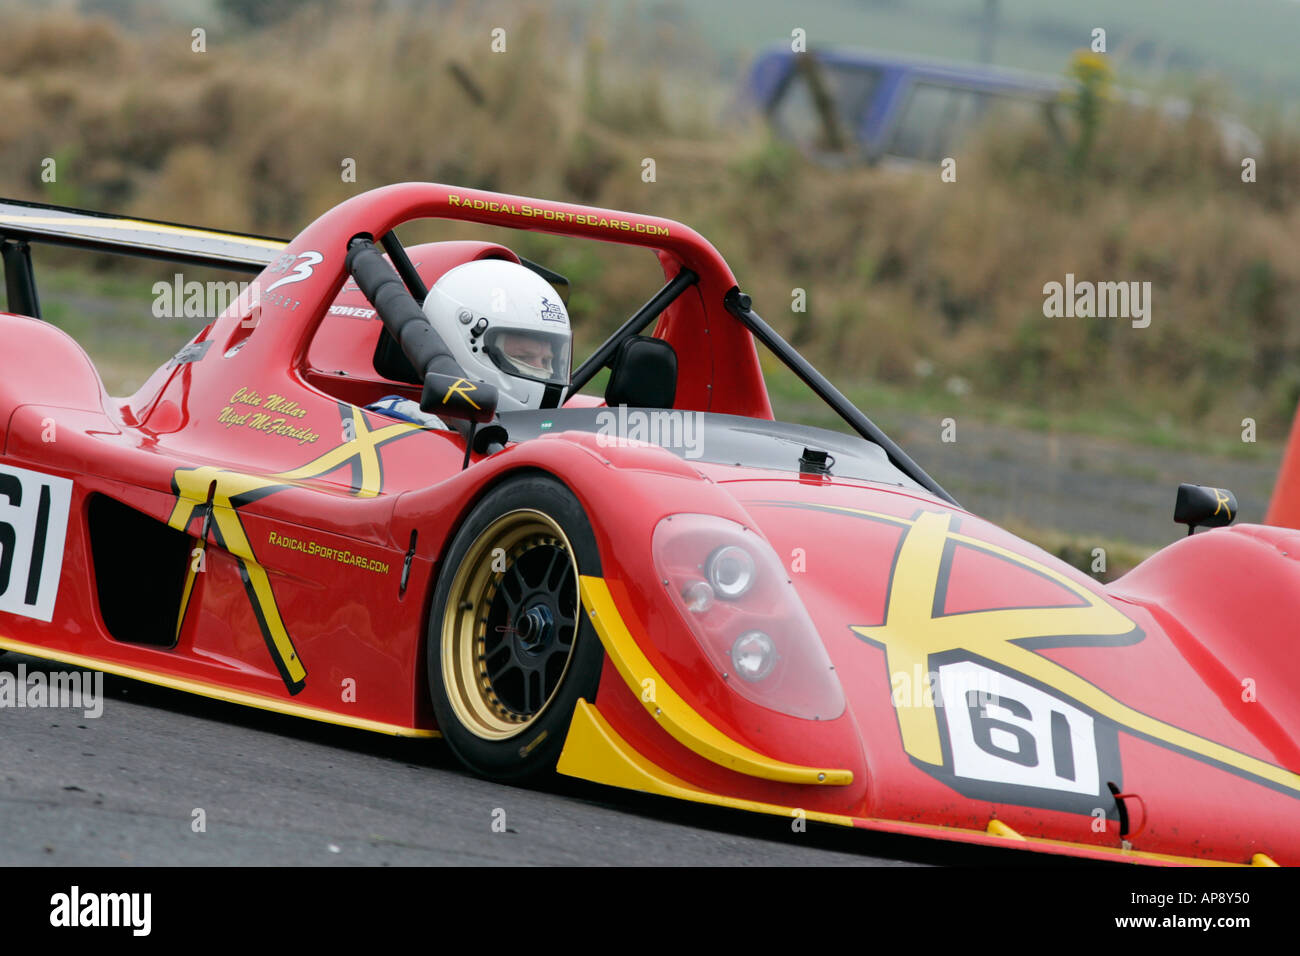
<point>504,325</point>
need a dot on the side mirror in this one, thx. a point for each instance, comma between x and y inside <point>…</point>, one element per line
<point>1201,505</point>
<point>450,397</point>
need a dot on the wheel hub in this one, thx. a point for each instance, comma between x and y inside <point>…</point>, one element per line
<point>536,629</point>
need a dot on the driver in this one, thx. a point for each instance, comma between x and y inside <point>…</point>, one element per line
<point>531,357</point>
<point>504,325</point>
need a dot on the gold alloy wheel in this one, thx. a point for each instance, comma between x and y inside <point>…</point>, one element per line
<point>510,624</point>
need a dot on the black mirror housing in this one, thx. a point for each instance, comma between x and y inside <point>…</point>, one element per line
<point>450,397</point>
<point>1203,506</point>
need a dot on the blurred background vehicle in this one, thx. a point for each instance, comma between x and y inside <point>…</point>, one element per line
<point>841,105</point>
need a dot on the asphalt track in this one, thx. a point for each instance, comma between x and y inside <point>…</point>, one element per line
<point>123,788</point>
<point>1080,484</point>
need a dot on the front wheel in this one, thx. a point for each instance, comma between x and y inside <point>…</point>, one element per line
<point>510,651</point>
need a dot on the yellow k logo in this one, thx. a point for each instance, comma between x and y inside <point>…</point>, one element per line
<point>914,632</point>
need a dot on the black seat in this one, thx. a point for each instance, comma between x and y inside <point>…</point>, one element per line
<point>643,374</point>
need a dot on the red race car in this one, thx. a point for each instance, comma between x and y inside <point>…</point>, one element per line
<point>372,493</point>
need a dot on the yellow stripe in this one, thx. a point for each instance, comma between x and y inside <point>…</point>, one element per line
<point>594,751</point>
<point>95,222</point>
<point>999,829</point>
<point>192,490</point>
<point>364,447</point>
<point>674,714</point>
<point>237,543</point>
<point>215,692</point>
<point>1122,855</point>
<point>285,650</point>
<point>200,545</point>
<point>1262,859</point>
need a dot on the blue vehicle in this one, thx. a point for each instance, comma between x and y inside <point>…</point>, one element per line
<point>844,105</point>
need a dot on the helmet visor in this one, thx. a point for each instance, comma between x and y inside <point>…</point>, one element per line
<point>531,354</point>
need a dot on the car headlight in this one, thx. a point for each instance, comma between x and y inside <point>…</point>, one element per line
<point>754,655</point>
<point>697,596</point>
<point>740,605</point>
<point>731,571</point>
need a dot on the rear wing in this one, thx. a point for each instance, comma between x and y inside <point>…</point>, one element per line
<point>22,223</point>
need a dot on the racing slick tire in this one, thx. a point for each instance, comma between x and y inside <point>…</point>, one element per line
<point>510,649</point>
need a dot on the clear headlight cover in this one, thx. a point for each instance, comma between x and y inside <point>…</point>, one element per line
<point>757,622</point>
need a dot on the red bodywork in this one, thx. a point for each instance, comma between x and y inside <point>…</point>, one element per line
<point>1184,699</point>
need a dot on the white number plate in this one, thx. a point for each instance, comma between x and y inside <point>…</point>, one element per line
<point>33,528</point>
